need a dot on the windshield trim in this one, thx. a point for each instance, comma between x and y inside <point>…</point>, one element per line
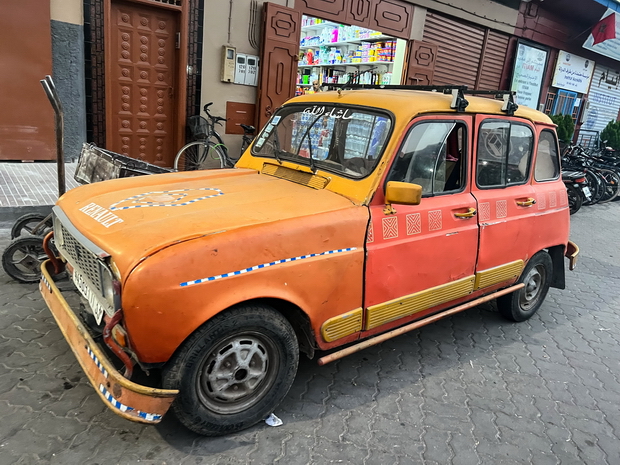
<point>319,164</point>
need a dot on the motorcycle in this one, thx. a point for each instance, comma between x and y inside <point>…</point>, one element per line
<point>577,189</point>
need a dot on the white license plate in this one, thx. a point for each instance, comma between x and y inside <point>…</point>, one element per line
<point>586,191</point>
<point>89,295</point>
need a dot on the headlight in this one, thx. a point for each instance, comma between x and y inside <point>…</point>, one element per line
<point>109,289</point>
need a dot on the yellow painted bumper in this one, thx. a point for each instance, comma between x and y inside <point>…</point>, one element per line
<point>127,399</point>
<point>572,250</point>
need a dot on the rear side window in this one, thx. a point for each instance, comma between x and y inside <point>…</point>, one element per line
<point>504,153</point>
<point>433,156</point>
<point>547,161</point>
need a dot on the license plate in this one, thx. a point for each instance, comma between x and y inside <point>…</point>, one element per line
<point>586,191</point>
<point>89,295</point>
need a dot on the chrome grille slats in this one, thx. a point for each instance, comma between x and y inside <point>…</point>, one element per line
<point>82,258</point>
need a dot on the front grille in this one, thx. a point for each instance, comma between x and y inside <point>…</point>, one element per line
<point>81,258</point>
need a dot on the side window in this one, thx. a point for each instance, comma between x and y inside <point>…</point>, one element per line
<point>433,156</point>
<point>504,153</point>
<point>547,162</point>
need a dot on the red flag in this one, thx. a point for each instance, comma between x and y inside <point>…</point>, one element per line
<point>604,29</point>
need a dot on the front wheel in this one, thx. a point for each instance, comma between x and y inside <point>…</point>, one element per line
<point>23,257</point>
<point>522,304</point>
<point>575,198</point>
<point>233,371</point>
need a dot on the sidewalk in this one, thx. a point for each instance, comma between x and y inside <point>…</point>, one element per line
<point>30,187</point>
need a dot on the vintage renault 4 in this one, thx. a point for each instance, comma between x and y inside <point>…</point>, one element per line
<point>356,215</point>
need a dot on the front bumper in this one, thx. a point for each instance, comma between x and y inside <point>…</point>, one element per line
<point>572,250</point>
<point>125,398</point>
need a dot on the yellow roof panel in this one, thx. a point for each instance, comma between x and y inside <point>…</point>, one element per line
<point>408,103</point>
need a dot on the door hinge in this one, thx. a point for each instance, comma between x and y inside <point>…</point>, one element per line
<point>177,43</point>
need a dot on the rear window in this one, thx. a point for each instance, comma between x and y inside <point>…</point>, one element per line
<point>504,153</point>
<point>547,160</point>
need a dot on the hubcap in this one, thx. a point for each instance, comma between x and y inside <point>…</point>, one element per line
<point>534,282</point>
<point>238,373</point>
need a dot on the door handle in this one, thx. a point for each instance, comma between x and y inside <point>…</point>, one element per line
<point>527,203</point>
<point>470,213</point>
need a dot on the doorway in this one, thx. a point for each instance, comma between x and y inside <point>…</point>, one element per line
<point>142,59</point>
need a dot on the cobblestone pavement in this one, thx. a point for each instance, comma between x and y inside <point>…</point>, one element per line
<point>469,389</point>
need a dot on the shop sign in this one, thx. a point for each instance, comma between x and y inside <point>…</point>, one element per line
<point>604,98</point>
<point>528,74</point>
<point>572,72</point>
<point>603,37</point>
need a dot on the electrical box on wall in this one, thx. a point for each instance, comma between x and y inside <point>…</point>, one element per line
<point>240,68</point>
<point>251,75</point>
<point>228,63</point>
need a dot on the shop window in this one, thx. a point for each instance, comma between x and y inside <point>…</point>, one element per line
<point>547,166</point>
<point>433,156</point>
<point>332,53</point>
<point>504,153</point>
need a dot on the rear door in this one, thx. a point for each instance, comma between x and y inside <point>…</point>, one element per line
<point>423,256</point>
<point>505,198</point>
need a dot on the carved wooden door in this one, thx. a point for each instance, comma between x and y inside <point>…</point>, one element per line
<point>141,59</point>
<point>279,56</point>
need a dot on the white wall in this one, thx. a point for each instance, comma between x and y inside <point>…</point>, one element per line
<point>67,11</point>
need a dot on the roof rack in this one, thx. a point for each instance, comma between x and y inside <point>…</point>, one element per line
<point>459,102</point>
<point>509,107</point>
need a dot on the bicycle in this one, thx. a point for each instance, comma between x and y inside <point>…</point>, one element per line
<point>207,150</point>
<point>248,137</point>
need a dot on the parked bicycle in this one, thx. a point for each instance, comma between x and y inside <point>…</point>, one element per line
<point>207,150</point>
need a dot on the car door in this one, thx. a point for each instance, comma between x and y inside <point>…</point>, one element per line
<point>421,257</point>
<point>505,197</point>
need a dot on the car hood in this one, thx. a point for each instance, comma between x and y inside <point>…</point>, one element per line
<point>133,218</point>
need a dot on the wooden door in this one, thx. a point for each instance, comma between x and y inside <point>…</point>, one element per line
<point>27,119</point>
<point>141,64</point>
<point>279,56</point>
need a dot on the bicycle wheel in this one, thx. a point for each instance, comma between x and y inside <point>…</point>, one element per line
<point>199,155</point>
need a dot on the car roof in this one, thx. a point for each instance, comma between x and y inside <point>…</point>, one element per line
<point>409,103</point>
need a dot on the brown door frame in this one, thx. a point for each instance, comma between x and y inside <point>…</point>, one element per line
<point>180,76</point>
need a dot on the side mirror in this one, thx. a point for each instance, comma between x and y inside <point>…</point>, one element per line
<point>402,193</point>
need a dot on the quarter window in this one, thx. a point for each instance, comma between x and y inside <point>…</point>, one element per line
<point>547,163</point>
<point>504,153</point>
<point>433,156</point>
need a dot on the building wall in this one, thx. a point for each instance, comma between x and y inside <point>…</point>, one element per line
<point>67,26</point>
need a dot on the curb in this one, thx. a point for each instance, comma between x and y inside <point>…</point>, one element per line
<point>10,214</point>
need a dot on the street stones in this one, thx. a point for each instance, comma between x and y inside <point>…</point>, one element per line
<point>469,389</point>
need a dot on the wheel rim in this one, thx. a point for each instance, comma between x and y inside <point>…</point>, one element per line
<point>237,373</point>
<point>23,261</point>
<point>534,284</point>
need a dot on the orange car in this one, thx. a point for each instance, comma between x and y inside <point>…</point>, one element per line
<point>355,215</point>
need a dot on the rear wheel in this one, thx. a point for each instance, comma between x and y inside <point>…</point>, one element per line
<point>233,371</point>
<point>574,198</point>
<point>522,304</point>
<point>200,156</point>
<point>28,222</point>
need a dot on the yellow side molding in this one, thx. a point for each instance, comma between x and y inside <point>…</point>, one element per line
<point>342,325</point>
<point>385,312</point>
<point>499,274</point>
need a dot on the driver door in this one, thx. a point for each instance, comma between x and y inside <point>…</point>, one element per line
<point>422,257</point>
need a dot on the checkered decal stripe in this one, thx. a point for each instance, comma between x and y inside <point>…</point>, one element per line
<point>264,265</point>
<point>97,362</point>
<point>46,282</point>
<point>124,408</point>
<point>114,207</point>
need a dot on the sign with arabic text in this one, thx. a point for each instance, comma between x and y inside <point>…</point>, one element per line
<point>572,72</point>
<point>528,74</point>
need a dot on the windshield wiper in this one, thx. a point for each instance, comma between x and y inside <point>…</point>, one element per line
<point>278,150</point>
<point>312,167</point>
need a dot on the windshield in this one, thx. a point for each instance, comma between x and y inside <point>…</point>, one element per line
<point>344,140</point>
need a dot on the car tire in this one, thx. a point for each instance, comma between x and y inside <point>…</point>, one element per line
<point>233,371</point>
<point>523,303</point>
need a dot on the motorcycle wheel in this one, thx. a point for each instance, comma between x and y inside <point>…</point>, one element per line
<point>575,198</point>
<point>23,257</point>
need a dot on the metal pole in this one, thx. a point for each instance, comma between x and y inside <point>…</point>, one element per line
<point>52,95</point>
